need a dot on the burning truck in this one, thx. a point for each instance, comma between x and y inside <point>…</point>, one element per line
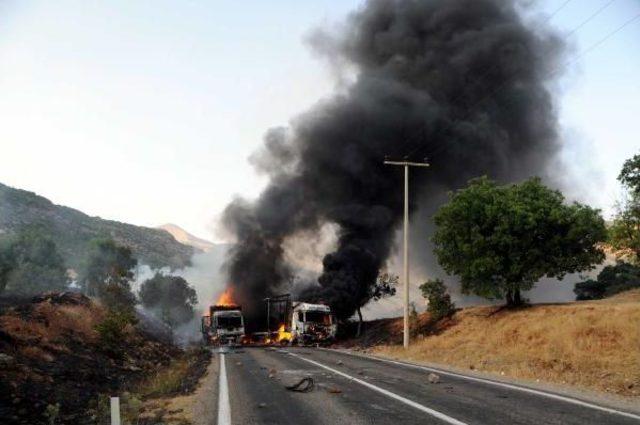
<point>312,323</point>
<point>224,323</point>
<point>301,322</point>
<point>296,323</point>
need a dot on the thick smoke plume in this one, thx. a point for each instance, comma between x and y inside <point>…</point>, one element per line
<point>462,82</point>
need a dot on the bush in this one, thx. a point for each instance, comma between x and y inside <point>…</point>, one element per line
<point>440,304</point>
<point>112,330</point>
<point>611,280</point>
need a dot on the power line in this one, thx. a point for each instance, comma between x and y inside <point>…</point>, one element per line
<point>469,110</point>
<point>477,80</point>
<point>487,70</point>
<point>417,146</point>
<point>566,64</point>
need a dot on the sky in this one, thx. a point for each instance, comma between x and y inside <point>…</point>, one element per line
<point>146,112</point>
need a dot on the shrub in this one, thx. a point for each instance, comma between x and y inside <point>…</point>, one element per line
<point>611,280</point>
<point>440,304</point>
<point>113,329</point>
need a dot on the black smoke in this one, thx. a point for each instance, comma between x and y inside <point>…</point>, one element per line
<point>463,82</point>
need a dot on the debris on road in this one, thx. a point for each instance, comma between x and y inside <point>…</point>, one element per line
<point>339,362</point>
<point>334,390</point>
<point>272,373</point>
<point>433,378</point>
<point>262,405</point>
<point>303,386</point>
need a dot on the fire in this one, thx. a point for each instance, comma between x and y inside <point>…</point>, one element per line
<point>226,298</point>
<point>283,335</point>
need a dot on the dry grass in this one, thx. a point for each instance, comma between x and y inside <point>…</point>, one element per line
<point>166,394</point>
<point>179,377</point>
<point>593,345</point>
<point>48,323</point>
<point>166,381</point>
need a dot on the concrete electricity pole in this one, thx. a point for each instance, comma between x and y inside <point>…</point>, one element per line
<point>406,164</point>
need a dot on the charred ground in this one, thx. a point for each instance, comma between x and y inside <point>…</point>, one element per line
<point>54,365</point>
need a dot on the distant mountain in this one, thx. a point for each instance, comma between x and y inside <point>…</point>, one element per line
<point>187,238</point>
<point>72,230</point>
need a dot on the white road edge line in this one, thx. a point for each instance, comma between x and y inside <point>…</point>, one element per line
<point>497,383</point>
<point>406,401</point>
<point>224,408</point>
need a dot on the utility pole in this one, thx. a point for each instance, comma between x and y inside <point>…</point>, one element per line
<point>406,164</point>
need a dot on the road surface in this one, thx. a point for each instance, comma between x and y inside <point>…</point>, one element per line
<point>352,389</point>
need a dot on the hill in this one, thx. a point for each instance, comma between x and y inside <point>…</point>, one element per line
<point>187,238</point>
<point>72,230</point>
<point>586,344</point>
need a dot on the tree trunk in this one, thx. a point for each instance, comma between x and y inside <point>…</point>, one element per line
<point>509,297</point>
<point>359,323</point>
<point>517,299</point>
<point>513,297</point>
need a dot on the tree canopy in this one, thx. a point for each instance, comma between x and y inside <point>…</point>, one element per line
<point>611,280</point>
<point>108,273</point>
<point>630,175</point>
<point>171,298</point>
<point>624,233</point>
<point>500,240</point>
<point>30,263</point>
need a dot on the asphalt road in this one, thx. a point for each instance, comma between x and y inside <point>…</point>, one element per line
<point>356,390</point>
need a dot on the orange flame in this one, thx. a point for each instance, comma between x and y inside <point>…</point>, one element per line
<point>283,335</point>
<point>226,298</point>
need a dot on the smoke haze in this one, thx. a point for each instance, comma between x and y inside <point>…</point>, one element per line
<point>462,82</point>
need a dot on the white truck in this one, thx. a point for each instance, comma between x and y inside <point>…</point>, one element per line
<point>312,323</point>
<point>223,325</point>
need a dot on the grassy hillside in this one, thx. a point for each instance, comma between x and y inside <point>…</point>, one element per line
<point>72,230</point>
<point>589,344</point>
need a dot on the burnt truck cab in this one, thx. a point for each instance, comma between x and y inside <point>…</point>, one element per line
<point>224,325</point>
<point>312,323</point>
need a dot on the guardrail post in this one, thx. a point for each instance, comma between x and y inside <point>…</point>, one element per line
<point>115,410</point>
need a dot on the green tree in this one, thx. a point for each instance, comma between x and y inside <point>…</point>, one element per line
<point>384,286</point>
<point>630,175</point>
<point>30,264</point>
<point>108,273</point>
<point>624,233</point>
<point>171,298</point>
<point>500,240</point>
<point>7,263</point>
<point>440,304</point>
<point>611,280</point>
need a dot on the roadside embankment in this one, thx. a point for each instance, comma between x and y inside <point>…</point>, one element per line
<point>61,358</point>
<point>592,345</point>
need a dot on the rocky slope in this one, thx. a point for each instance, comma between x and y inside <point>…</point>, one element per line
<point>187,238</point>
<point>72,230</point>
